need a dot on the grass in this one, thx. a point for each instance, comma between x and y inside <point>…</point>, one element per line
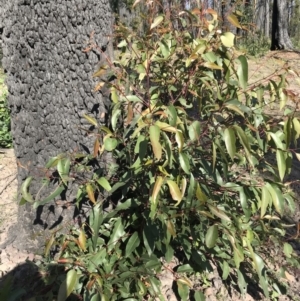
<point>5,136</point>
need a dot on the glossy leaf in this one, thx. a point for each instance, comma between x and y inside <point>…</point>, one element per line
<point>110,144</point>
<point>166,127</point>
<point>242,283</point>
<point>219,213</point>
<point>230,140</point>
<point>281,163</point>
<point>199,296</point>
<point>183,290</point>
<point>171,227</point>
<point>117,233</point>
<point>51,197</point>
<point>174,190</point>
<point>277,197</point>
<point>90,192</point>
<point>195,130</point>
<point>154,132</point>
<point>68,285</point>
<point>211,236</point>
<point>242,71</point>
<point>96,218</point>
<point>265,201</point>
<point>172,114</point>
<point>24,190</point>
<point>132,244</point>
<point>82,240</point>
<point>180,140</point>
<point>232,18</point>
<point>156,21</point>
<point>228,39</point>
<point>156,189</point>
<point>288,250</point>
<point>104,183</point>
<point>91,120</point>
<point>184,162</point>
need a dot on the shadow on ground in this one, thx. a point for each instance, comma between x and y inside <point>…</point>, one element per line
<point>27,282</point>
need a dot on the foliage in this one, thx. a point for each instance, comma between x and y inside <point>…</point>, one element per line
<point>5,136</point>
<point>190,177</point>
<point>254,44</point>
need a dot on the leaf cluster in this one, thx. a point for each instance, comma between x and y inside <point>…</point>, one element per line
<point>191,180</point>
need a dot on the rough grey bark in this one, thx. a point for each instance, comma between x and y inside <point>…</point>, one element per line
<point>280,36</point>
<point>49,78</point>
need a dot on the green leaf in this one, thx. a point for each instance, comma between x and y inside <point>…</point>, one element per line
<point>171,227</point>
<point>90,191</point>
<point>51,197</point>
<point>281,163</point>
<point>96,219</point>
<point>227,39</point>
<point>232,18</point>
<point>179,139</point>
<point>104,183</point>
<point>91,120</point>
<point>183,290</point>
<point>24,190</point>
<point>242,71</point>
<point>118,232</point>
<point>114,118</point>
<point>52,162</point>
<point>277,140</point>
<point>132,244</point>
<point>110,144</point>
<point>63,167</point>
<point>172,114</point>
<point>192,189</point>
<point>68,285</point>
<point>199,296</point>
<point>184,162</point>
<point>156,21</point>
<point>185,268</point>
<point>174,190</point>
<point>154,138</point>
<point>265,201</point>
<point>194,130</point>
<point>148,239</point>
<point>211,236</point>
<point>165,127</point>
<point>242,283</point>
<point>49,244</point>
<point>288,250</point>
<point>243,138</point>
<point>238,255</point>
<point>156,188</point>
<point>230,140</point>
<point>219,213</point>
<point>277,197</point>
<point>225,269</point>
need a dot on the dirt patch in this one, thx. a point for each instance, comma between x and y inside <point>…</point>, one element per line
<point>9,256</point>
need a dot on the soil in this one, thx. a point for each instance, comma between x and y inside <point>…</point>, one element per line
<point>270,65</point>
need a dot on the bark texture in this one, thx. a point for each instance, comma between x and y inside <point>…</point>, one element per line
<point>49,78</point>
<point>262,16</point>
<point>280,36</point>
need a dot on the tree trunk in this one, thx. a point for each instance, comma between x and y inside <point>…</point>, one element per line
<point>226,10</point>
<point>262,16</point>
<point>50,83</point>
<point>280,36</point>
